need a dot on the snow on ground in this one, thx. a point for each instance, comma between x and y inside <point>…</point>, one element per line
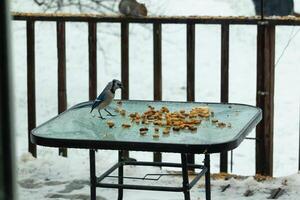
<point>53,177</point>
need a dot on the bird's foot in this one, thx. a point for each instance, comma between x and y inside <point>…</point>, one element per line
<point>101,117</point>
<point>109,113</point>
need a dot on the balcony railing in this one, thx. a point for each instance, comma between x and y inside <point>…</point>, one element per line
<point>265,66</point>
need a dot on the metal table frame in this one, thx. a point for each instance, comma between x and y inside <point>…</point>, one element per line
<point>120,145</point>
<point>186,185</point>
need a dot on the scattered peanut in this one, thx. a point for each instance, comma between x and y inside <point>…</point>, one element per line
<point>110,124</point>
<point>221,124</point>
<point>126,125</point>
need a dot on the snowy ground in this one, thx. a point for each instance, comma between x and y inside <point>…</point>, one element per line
<point>53,177</point>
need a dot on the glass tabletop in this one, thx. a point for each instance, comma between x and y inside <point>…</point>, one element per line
<point>227,123</point>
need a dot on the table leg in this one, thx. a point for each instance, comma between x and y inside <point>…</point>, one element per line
<point>185,177</point>
<point>120,175</point>
<point>92,174</point>
<point>207,177</point>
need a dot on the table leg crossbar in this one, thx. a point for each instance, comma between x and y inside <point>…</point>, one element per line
<point>186,185</point>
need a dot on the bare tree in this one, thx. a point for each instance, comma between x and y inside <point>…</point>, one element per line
<point>93,6</point>
<point>99,6</point>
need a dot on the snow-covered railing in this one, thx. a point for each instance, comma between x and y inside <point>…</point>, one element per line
<point>265,66</point>
<point>286,20</point>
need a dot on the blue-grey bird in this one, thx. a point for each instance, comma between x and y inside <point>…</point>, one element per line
<point>106,97</point>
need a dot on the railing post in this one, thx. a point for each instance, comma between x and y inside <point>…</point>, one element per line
<point>265,98</point>
<point>92,40</point>
<point>61,72</point>
<point>157,73</point>
<point>31,105</point>
<point>190,79</point>
<point>125,65</point>
<point>224,83</point>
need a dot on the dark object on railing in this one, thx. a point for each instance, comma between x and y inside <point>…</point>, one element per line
<point>125,66</point>
<point>7,170</point>
<point>274,7</point>
<point>265,98</point>
<point>92,60</point>
<point>31,105</point>
<point>224,83</point>
<point>262,9</point>
<point>157,73</point>
<point>132,8</point>
<point>190,67</point>
<point>61,73</point>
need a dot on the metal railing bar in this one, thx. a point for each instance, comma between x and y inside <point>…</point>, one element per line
<point>265,85</point>
<point>31,97</point>
<point>190,67</point>
<point>61,72</point>
<point>92,41</point>
<point>157,73</point>
<point>224,83</point>
<point>287,20</point>
<point>125,66</point>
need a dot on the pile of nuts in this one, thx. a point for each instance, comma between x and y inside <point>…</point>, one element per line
<point>169,120</point>
<point>164,118</point>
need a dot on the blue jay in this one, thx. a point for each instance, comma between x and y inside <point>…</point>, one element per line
<point>106,97</point>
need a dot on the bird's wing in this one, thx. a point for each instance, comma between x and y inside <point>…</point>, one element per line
<point>98,100</point>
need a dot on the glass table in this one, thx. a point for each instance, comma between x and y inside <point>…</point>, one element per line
<point>225,128</point>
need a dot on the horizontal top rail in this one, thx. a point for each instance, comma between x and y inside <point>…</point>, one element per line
<point>286,20</point>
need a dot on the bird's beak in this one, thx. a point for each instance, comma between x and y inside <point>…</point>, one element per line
<point>122,87</point>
